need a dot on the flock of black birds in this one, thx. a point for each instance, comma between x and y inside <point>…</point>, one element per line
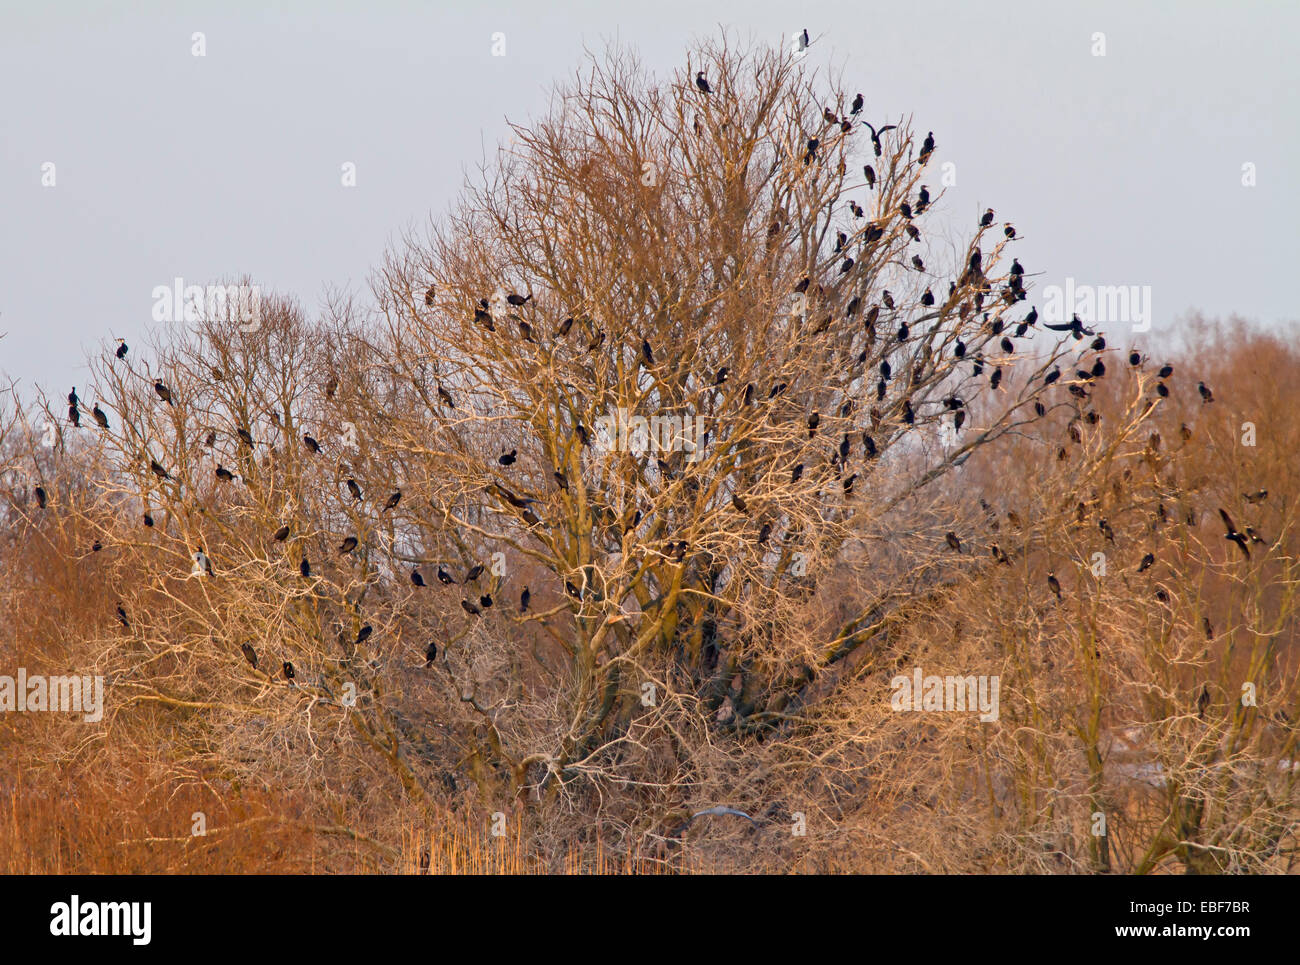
<point>973,275</point>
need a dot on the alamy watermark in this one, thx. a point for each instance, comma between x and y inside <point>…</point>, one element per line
<point>213,303</point>
<point>1130,304</point>
<point>621,432</point>
<point>57,695</point>
<point>947,694</point>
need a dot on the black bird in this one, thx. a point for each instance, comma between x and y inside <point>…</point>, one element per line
<point>444,577</point>
<point>764,533</point>
<point>869,446</point>
<point>875,136</point>
<point>164,393</point>
<point>524,597</point>
<point>483,317</point>
<point>1147,562</point>
<point>856,107</point>
<point>908,415</point>
<point>74,416</point>
<point>1010,232</point>
<point>927,148</point>
<point>1032,316</point>
<point>72,398</point>
<point>281,534</point>
<point>348,545</point>
<point>393,500</point>
<point>122,350</point>
<point>1098,344</point>
<point>987,219</point>
<point>311,444</point>
<point>844,448</point>
<point>1232,534</point>
<point>519,301</point>
<point>470,608</point>
<point>249,654</point>
<point>927,299</point>
<point>918,264</point>
<point>416,578</point>
<point>475,572</point>
<point>702,83</point>
<point>244,436</point>
<point>354,489</point>
<point>1165,371</point>
<point>1016,268</point>
<point>796,473</point>
<point>486,600</point>
<point>1040,410</point>
<point>158,470</point>
<point>305,568</point>
<point>886,370</point>
<point>1134,359</point>
<point>1054,584</point>
<point>364,634</point>
<point>1162,390</point>
<point>1206,394</point>
<point>1075,327</point>
<point>288,671</point>
<point>98,413</point>
<point>814,421</point>
<point>561,480</point>
<point>563,330</point>
<point>1203,702</point>
<point>148,520</point>
<point>1051,376</point>
<point>1098,369</point>
<point>870,174</point>
<point>446,397</point>
<point>995,379</point>
<point>922,199</point>
<point>848,484</point>
<point>959,420</point>
<point>224,474</point>
<point>121,616</point>
<point>953,541</point>
<point>1256,497</point>
<point>572,590</point>
<point>508,458</point>
<point>40,496</point>
<point>721,377</point>
<point>428,295</point>
<point>999,555</point>
<point>903,332</point>
<point>430,654</point>
<point>211,439</point>
<point>1007,345</point>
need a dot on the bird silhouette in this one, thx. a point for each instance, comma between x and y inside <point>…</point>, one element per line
<point>249,654</point>
<point>1239,538</point>
<point>311,444</point>
<point>281,534</point>
<point>364,634</point>
<point>288,671</point>
<point>122,349</point>
<point>224,474</point>
<point>393,499</point>
<point>953,541</point>
<point>524,597</point>
<point>470,608</point>
<point>927,148</point>
<point>100,418</point>
<point>348,545</point>
<point>354,489</point>
<point>1054,585</point>
<point>1075,327</point>
<point>164,393</point>
<point>305,568</point>
<point>1206,394</point>
<point>430,654</point>
<point>702,83</point>
<point>508,458</point>
<point>416,578</point>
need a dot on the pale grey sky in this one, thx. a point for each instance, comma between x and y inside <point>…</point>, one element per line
<point>1118,170</point>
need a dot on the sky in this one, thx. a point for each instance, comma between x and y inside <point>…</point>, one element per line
<point>1122,167</point>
